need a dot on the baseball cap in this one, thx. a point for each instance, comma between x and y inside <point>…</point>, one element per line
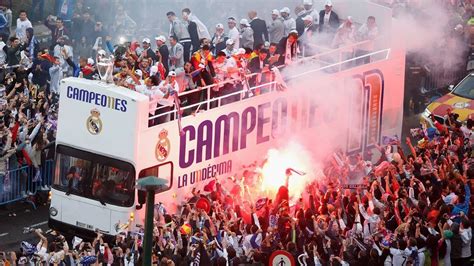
<point>308,2</point>
<point>231,19</point>
<point>138,72</point>
<point>146,40</point>
<point>328,3</point>
<point>285,10</point>
<point>219,26</point>
<point>229,42</point>
<point>161,38</point>
<point>90,61</point>
<point>275,12</point>
<point>244,22</point>
<point>308,18</point>
<point>172,74</point>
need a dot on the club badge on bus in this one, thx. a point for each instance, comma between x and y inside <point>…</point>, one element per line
<point>94,123</point>
<point>163,146</point>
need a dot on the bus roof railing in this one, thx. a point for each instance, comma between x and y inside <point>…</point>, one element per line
<point>271,85</point>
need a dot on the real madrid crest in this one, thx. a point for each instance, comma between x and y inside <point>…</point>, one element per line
<point>93,123</point>
<point>162,149</point>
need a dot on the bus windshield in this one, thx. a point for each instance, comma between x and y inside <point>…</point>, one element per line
<point>92,176</point>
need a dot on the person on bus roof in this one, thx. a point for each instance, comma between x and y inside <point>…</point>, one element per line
<point>166,96</point>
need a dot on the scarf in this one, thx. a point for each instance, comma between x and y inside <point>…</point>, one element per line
<point>290,52</point>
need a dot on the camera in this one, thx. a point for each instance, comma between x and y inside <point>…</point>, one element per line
<point>28,230</point>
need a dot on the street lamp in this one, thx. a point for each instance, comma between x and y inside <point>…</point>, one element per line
<point>150,184</point>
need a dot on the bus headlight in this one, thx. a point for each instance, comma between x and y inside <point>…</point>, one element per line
<point>53,211</point>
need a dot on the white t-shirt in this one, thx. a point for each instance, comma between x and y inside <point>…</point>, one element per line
<point>21,27</point>
<point>326,18</point>
<point>42,251</point>
<point>150,92</point>
<point>163,89</point>
<point>234,34</point>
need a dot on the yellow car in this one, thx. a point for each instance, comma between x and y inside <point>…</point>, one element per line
<point>460,100</point>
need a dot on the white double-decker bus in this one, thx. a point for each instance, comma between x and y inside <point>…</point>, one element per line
<point>105,144</point>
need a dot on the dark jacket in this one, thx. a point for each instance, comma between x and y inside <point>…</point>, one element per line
<point>281,50</point>
<point>333,20</point>
<point>55,32</point>
<point>219,46</point>
<point>86,29</point>
<point>254,67</point>
<point>151,54</point>
<point>13,54</point>
<point>300,25</point>
<point>193,33</point>
<point>41,75</point>
<point>94,35</point>
<point>165,55</point>
<point>260,32</point>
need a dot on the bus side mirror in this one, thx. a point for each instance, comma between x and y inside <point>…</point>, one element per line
<point>141,197</point>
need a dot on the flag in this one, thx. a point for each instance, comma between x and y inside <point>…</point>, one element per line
<point>48,57</point>
<point>88,260</point>
<point>289,170</point>
<point>76,242</point>
<point>281,83</point>
<point>27,248</point>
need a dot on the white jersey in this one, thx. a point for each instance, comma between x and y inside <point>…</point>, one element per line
<point>21,27</point>
<point>234,34</point>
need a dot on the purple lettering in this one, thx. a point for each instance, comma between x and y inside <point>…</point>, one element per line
<point>225,119</point>
<point>103,100</point>
<point>116,104</point>
<point>204,141</point>
<point>262,120</point>
<point>69,91</point>
<point>246,128</point>
<point>183,163</point>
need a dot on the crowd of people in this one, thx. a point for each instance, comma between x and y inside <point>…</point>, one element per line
<point>412,209</point>
<point>189,57</point>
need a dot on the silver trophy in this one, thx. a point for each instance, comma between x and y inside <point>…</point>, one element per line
<point>105,66</point>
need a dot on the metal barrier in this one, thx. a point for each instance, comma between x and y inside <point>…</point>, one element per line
<point>22,183</point>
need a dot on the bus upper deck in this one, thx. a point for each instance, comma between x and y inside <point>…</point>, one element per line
<point>106,141</point>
